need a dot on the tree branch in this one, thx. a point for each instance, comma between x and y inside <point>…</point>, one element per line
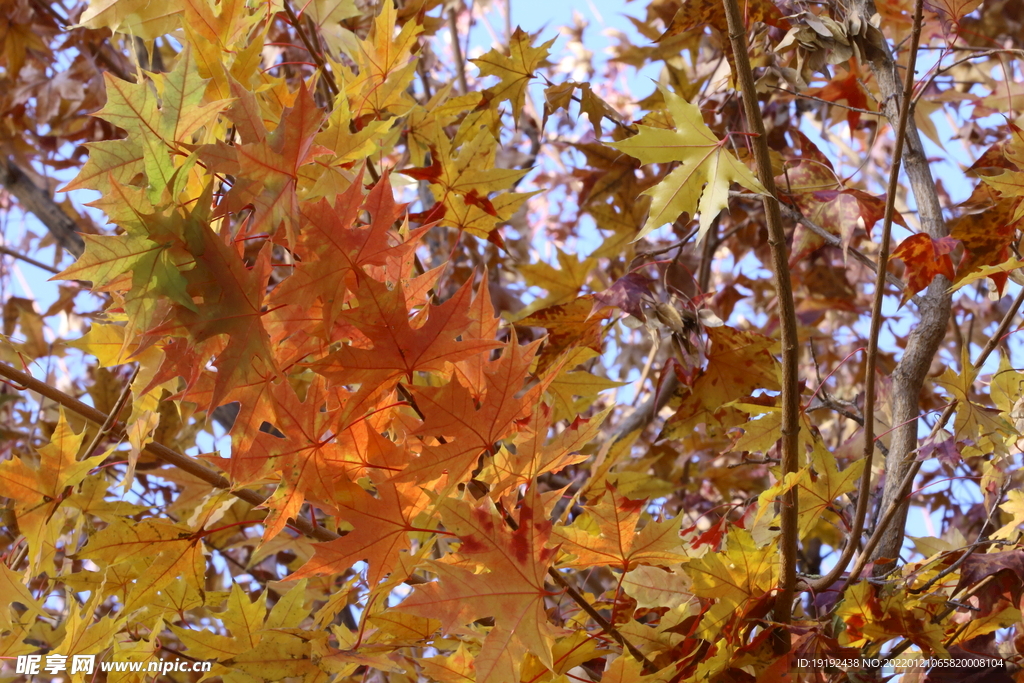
<point>38,202</point>
<point>787,323</point>
<point>158,450</point>
<point>908,377</point>
<point>321,62</point>
<point>902,488</point>
<point>27,259</point>
<point>871,364</point>
<point>460,62</point>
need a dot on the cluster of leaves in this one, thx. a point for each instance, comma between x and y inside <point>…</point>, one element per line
<point>424,480</point>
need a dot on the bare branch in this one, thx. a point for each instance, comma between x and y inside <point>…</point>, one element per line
<point>460,61</point>
<point>909,375</point>
<point>38,202</point>
<point>27,259</point>
<point>313,50</point>
<point>787,319</point>
<point>871,364</point>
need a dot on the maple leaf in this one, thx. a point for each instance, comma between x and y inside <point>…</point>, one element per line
<point>570,326</point>
<point>386,67</point>
<point>511,590</point>
<point>820,483</point>
<point>701,181</point>
<point>269,169</point>
<point>925,258</point>
<point>742,572</point>
<point>535,455</point>
<point>515,69</point>
<point>626,669</point>
<point>159,127</point>
<point>847,89</point>
<point>1007,565</point>
<point>310,464</point>
<point>696,13</point>
<point>1014,506</point>
<point>572,393</point>
<point>462,184</point>
<point>986,237</point>
<point>563,283</point>
<point>232,298</point>
<point>135,17</point>
<point>738,363</point>
<point>38,491</point>
<point>974,423</point>
<point>399,349</point>
<point>109,160</point>
<point>869,616</point>
<point>334,249</point>
<point>617,542</point>
<point>381,526</point>
<point>469,426</point>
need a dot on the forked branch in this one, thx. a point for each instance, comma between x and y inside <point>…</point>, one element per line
<point>871,363</point>
<point>909,375</point>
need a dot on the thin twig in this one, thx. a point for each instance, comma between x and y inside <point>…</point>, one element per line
<point>824,101</point>
<point>606,625</point>
<point>28,260</point>
<point>112,416</point>
<point>460,61</point>
<point>317,56</point>
<point>787,324</point>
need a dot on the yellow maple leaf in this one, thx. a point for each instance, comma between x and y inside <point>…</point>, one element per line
<point>973,422</point>
<point>740,573</point>
<point>819,484</point>
<point>1014,505</point>
<point>514,69</point>
<point>701,181</point>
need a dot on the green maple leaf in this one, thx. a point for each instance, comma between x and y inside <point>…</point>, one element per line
<point>135,262</point>
<point>701,181</point>
<point>159,116</point>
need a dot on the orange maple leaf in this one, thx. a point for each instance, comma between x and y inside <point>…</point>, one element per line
<point>399,349</point>
<point>268,170</point>
<point>381,526</point>
<point>618,543</point>
<point>511,590</point>
<point>467,426</point>
<point>925,258</point>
